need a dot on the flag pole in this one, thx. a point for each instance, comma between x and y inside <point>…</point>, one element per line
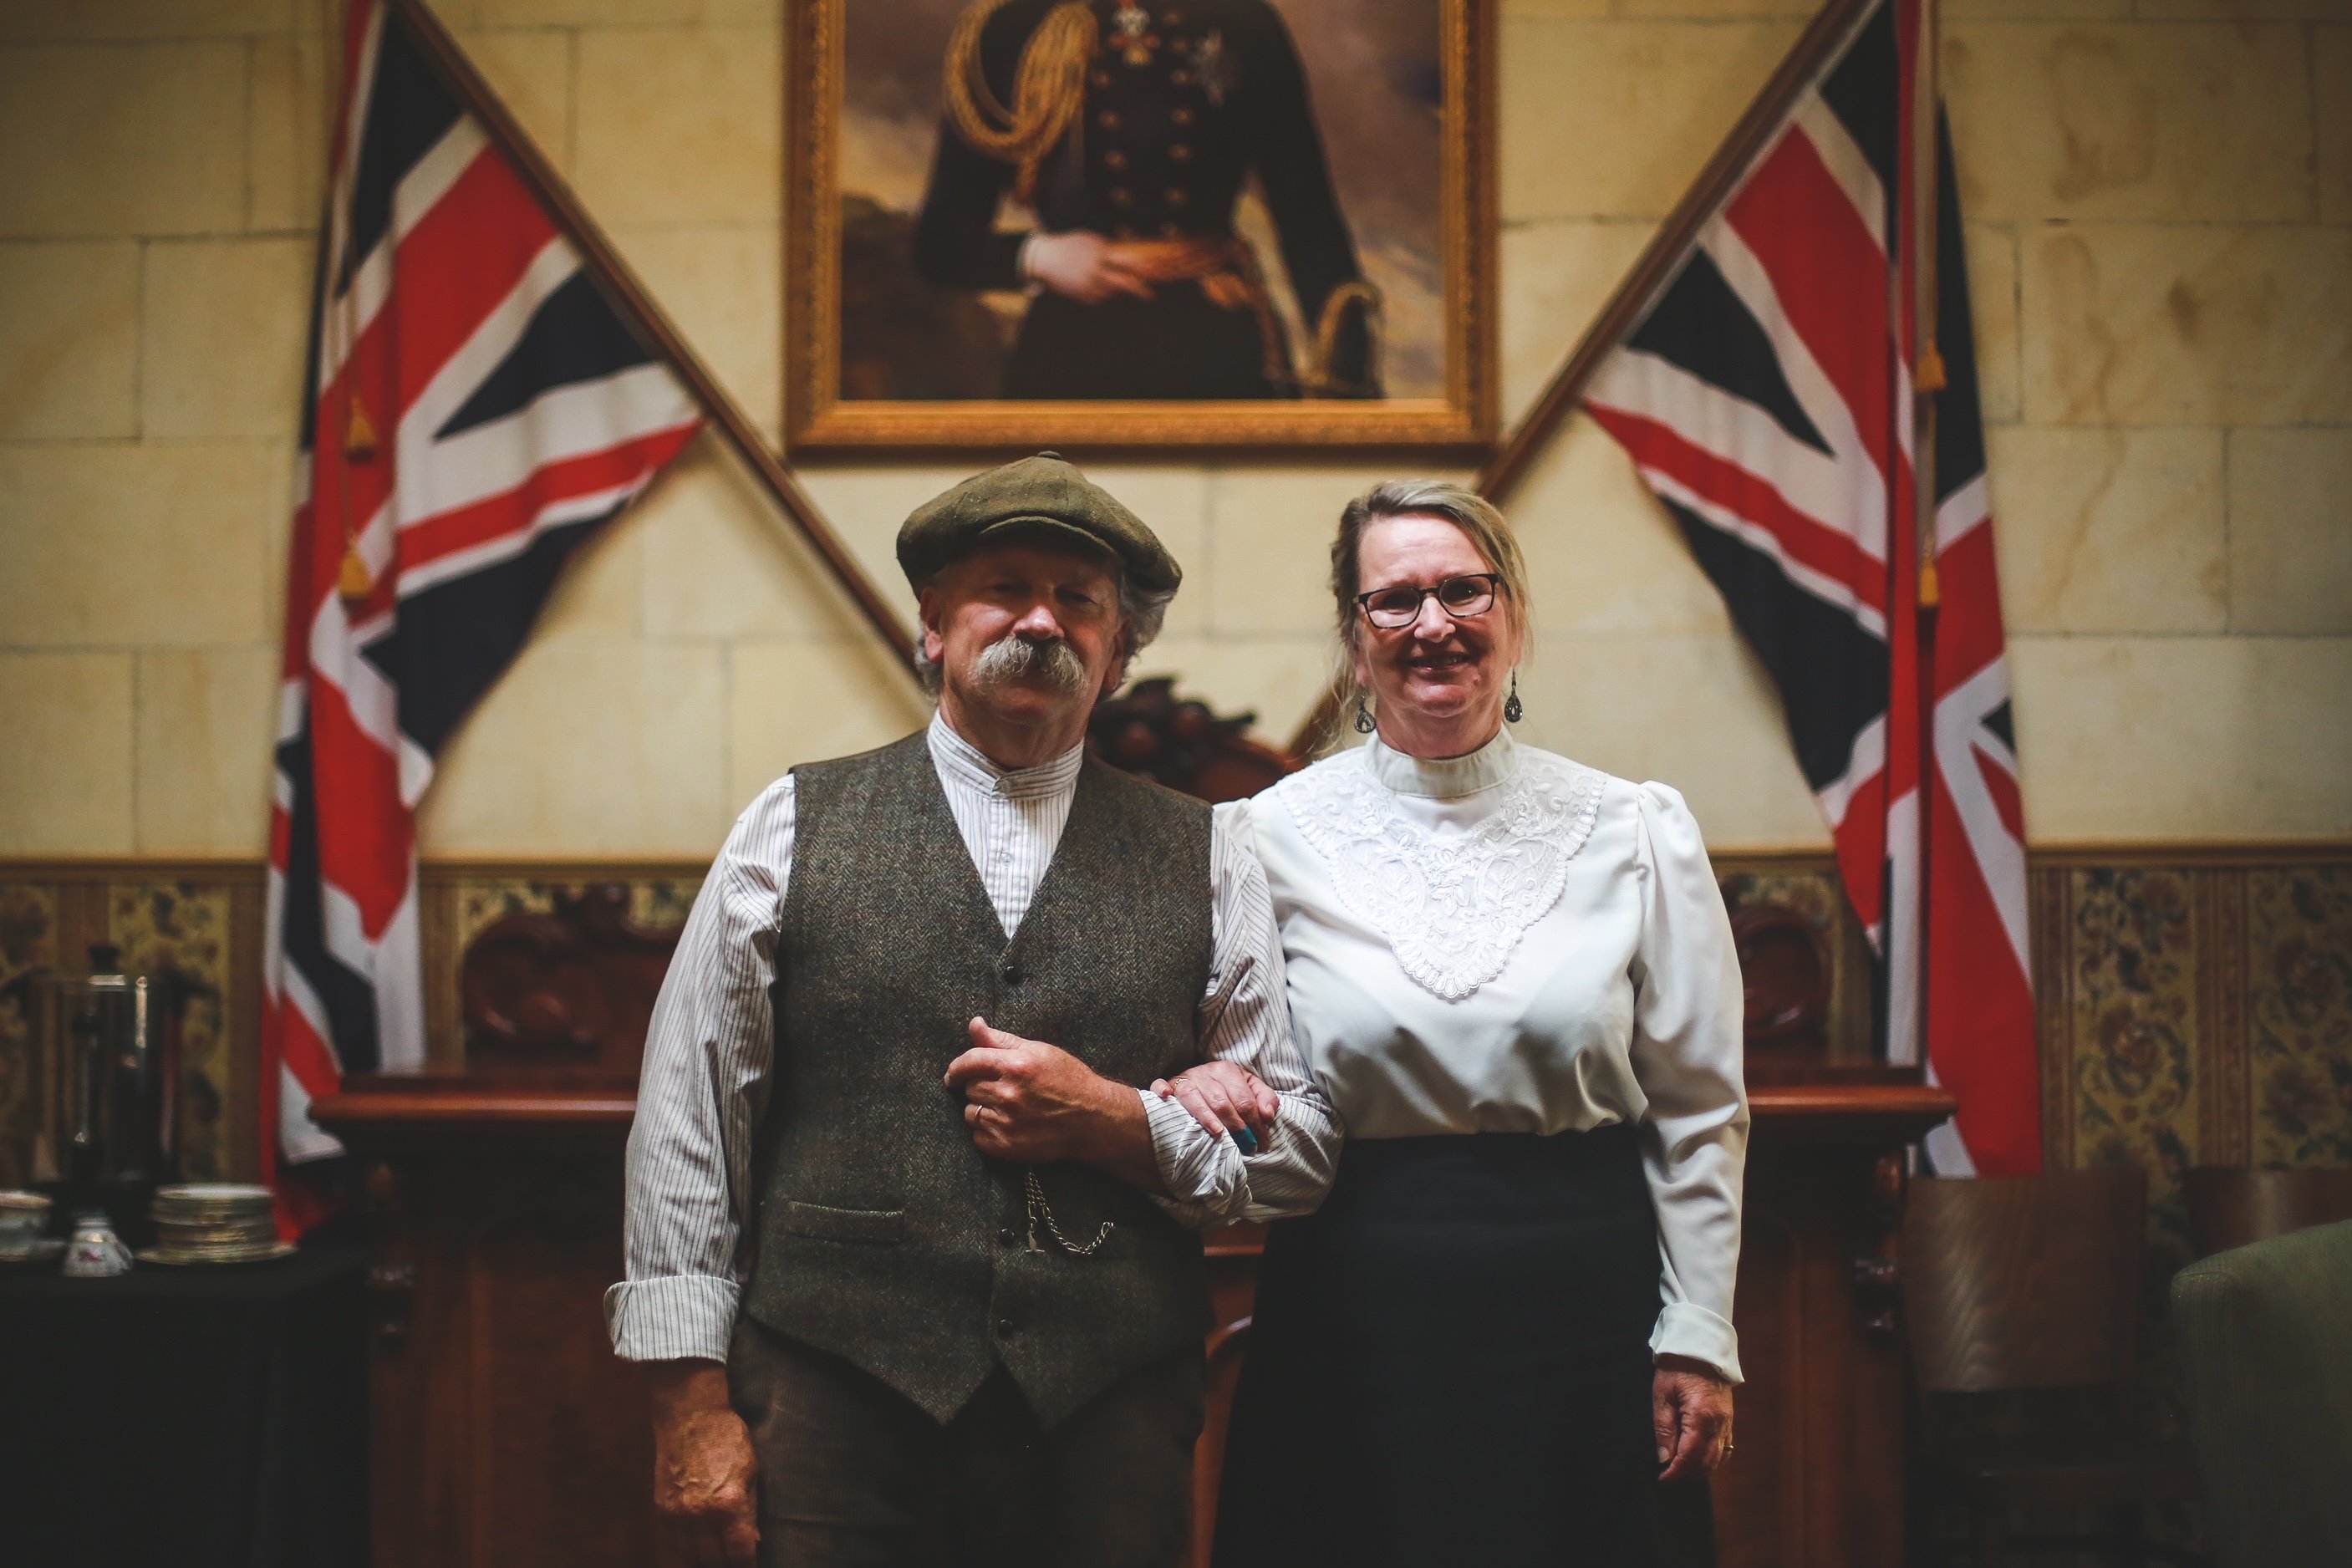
<point>1832,27</point>
<point>653,328</point>
<point>1927,380</point>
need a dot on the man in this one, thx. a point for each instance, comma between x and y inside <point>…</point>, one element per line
<point>1132,133</point>
<point>905,1256</point>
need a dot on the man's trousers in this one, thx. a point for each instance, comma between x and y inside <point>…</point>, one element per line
<point>854,1473</point>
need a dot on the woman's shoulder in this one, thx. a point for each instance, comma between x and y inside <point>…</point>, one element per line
<point>1241,817</point>
<point>1647,813</point>
<point>1631,794</point>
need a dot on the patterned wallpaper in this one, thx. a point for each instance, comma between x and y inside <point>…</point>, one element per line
<point>2192,1013</point>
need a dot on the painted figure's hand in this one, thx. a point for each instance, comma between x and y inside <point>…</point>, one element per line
<point>705,1479</point>
<point>1690,1407</point>
<point>1036,1103</point>
<point>1082,265</point>
<point>1225,1097</point>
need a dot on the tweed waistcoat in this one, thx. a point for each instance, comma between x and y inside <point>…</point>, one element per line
<point>884,1235</point>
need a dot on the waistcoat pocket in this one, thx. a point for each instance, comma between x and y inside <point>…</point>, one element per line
<point>844,1225</point>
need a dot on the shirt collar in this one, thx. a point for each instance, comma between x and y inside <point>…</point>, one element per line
<point>1445,778</point>
<point>959,758</point>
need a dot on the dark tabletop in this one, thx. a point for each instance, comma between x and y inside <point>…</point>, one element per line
<point>193,1416</point>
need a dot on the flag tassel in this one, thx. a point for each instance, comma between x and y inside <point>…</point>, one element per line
<point>354,582</point>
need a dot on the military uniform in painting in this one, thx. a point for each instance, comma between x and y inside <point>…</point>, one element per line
<point>1142,125</point>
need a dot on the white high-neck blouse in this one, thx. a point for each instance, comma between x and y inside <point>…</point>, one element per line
<point>1510,941</point>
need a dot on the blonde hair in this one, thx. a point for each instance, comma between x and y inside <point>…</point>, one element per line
<point>1467,509</point>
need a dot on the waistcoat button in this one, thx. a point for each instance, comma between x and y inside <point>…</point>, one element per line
<point>1007,1236</point>
<point>1004,1327</point>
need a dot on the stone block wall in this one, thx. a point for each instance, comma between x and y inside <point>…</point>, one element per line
<point>2160,199</point>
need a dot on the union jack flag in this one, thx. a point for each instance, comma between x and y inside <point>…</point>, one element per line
<point>1766,399</point>
<point>473,411</point>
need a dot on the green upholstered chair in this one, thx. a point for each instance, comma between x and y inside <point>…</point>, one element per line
<point>2265,1341</point>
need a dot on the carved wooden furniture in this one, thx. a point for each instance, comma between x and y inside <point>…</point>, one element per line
<point>1152,733</point>
<point>502,1430</point>
<point>570,992</point>
<point>2231,1207</point>
<point>505,1431</point>
<point>2023,1306</point>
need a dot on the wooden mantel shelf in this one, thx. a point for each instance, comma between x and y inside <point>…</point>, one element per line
<point>379,1109</point>
<point>387,1105</point>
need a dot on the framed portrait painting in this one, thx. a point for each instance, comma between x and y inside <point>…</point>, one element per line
<point>1112,223</point>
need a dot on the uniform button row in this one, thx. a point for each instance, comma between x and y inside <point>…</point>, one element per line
<point>1178,152</point>
<point>1175,196</point>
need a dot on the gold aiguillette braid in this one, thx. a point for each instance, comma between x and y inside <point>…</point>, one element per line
<point>1047,90</point>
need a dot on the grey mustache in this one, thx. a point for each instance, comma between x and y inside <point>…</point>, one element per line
<point>1017,658</point>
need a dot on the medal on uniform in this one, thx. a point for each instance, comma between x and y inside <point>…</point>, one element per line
<point>1129,22</point>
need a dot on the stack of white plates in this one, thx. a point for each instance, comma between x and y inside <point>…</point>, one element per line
<point>214,1222</point>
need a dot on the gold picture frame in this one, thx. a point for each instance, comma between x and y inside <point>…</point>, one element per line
<point>1453,406</point>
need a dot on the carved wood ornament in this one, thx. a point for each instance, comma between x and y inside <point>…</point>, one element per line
<point>570,992</point>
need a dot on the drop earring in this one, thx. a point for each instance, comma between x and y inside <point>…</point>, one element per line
<point>1512,712</point>
<point>1364,724</point>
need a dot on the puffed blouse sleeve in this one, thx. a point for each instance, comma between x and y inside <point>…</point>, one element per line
<point>1685,1056</point>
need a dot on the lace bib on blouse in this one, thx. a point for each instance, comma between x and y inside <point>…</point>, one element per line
<point>1452,906</point>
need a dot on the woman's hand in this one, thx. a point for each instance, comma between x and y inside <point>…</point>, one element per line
<point>1690,1407</point>
<point>1224,1097</point>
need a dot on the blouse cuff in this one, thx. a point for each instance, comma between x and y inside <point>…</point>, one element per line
<point>677,1317</point>
<point>1687,1329</point>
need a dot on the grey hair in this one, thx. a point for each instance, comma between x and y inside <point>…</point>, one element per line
<point>1142,612</point>
<point>1467,509</point>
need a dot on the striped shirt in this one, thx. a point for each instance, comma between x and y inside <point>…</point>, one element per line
<point>703,1092</point>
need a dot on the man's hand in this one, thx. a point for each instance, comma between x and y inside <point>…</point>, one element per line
<point>705,1480</point>
<point>1690,1408</point>
<point>1036,1103</point>
<point>1225,1097</point>
<point>1082,265</point>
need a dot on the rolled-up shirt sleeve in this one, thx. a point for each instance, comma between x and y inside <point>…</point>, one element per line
<point>701,1094</point>
<point>1687,1056</point>
<point>1244,1018</point>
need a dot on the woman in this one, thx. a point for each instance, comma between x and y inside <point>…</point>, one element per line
<point>1515,977</point>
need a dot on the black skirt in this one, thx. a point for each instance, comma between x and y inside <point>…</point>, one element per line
<point>1450,1362</point>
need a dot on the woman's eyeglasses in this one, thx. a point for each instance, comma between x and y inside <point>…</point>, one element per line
<point>1390,609</point>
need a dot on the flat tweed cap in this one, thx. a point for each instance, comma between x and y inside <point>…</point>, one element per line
<point>1042,493</point>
